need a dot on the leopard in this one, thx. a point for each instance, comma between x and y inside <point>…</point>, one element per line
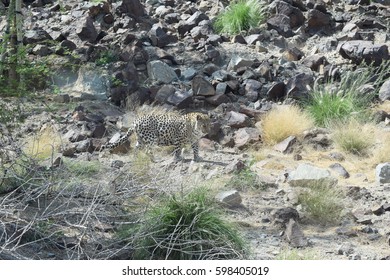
<point>168,129</point>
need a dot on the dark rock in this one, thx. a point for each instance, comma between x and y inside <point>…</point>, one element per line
<point>159,37</point>
<point>282,216</point>
<point>35,36</point>
<point>236,165</point>
<point>382,173</point>
<point>315,61</point>
<point>297,86</point>
<point>133,8</point>
<point>188,74</point>
<point>87,31</point>
<point>364,51</point>
<point>294,235</point>
<point>276,91</point>
<point>238,39</point>
<point>252,89</point>
<point>281,23</point>
<point>164,93</point>
<point>161,72</point>
<point>180,99</point>
<point>318,20</point>
<point>237,62</point>
<point>218,99</point>
<point>295,14</point>
<point>253,39</point>
<point>200,86</point>
<point>384,91</point>
<point>293,54</point>
<point>186,26</point>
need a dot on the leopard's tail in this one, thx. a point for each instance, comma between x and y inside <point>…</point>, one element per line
<point>121,140</point>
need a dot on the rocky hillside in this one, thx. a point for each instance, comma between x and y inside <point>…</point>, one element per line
<point>109,60</point>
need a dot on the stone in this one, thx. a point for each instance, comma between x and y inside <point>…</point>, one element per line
<point>306,175</point>
<point>181,99</point>
<point>188,74</point>
<point>297,86</point>
<point>318,20</point>
<point>164,93</point>
<point>384,91</point>
<point>230,198</point>
<point>238,62</point>
<point>41,50</point>
<point>296,16</point>
<point>364,51</point>
<point>252,89</point>
<point>159,37</point>
<point>133,8</point>
<point>236,165</point>
<point>282,216</point>
<point>294,235</point>
<point>253,39</point>
<point>286,146</point>
<point>281,23</point>
<point>186,26</point>
<point>35,36</point>
<point>62,98</point>
<point>200,86</point>
<point>161,72</point>
<point>345,249</point>
<point>340,170</point>
<point>236,120</point>
<point>315,61</point>
<point>293,54</point>
<point>218,99</point>
<point>276,91</point>
<point>382,173</point>
<point>243,137</point>
<point>87,31</point>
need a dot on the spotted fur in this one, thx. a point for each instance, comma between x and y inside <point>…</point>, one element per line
<point>168,130</point>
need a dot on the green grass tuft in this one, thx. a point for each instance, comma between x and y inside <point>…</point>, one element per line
<point>322,203</point>
<point>187,227</point>
<point>240,16</point>
<point>345,99</point>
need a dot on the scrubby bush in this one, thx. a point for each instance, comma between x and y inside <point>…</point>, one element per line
<point>347,98</point>
<point>240,15</point>
<point>187,227</point>
<point>354,137</point>
<point>322,203</point>
<point>284,121</point>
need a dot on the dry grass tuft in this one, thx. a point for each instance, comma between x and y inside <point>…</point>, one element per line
<point>42,145</point>
<point>285,121</point>
<point>354,137</point>
<point>381,153</point>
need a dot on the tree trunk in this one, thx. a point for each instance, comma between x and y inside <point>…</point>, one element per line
<point>13,75</point>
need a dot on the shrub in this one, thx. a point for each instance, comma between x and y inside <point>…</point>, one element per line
<point>354,137</point>
<point>382,153</point>
<point>340,101</point>
<point>240,16</point>
<point>322,203</point>
<point>44,144</point>
<point>284,121</point>
<point>187,227</point>
<point>245,179</point>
